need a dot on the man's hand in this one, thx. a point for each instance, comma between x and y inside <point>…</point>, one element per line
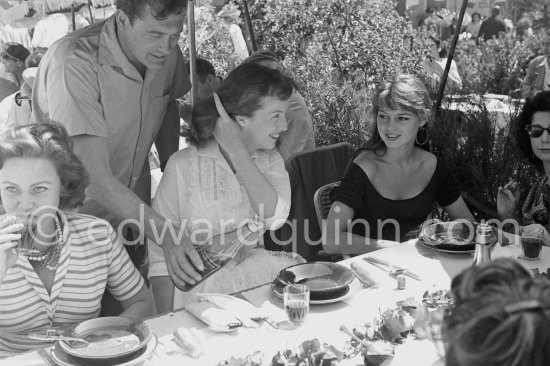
<point>507,200</point>
<point>182,262</point>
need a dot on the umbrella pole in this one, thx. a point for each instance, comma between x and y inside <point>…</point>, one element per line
<point>90,11</point>
<point>249,26</point>
<point>192,50</point>
<point>450,58</point>
<point>72,17</point>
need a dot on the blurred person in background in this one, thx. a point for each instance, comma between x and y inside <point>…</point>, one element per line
<point>538,71</point>
<point>474,26</point>
<point>494,26</point>
<point>16,109</point>
<point>13,58</point>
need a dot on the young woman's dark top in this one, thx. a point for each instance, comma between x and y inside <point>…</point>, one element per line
<point>357,192</point>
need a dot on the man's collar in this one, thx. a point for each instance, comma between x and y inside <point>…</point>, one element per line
<point>109,52</point>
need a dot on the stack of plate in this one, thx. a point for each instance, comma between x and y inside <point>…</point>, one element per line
<point>451,237</point>
<point>328,282</point>
<point>111,341</point>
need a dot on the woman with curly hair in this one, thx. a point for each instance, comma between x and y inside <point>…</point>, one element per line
<point>532,132</point>
<point>501,317</point>
<point>54,264</point>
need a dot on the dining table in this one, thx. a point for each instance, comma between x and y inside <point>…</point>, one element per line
<point>434,268</point>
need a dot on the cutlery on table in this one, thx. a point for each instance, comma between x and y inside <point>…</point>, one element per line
<point>395,270</point>
<point>74,342</point>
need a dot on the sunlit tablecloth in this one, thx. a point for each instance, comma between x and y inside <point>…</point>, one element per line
<point>435,269</point>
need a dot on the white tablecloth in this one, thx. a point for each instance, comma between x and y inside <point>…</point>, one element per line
<point>435,269</point>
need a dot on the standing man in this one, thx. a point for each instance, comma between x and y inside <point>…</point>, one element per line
<point>538,71</point>
<point>493,26</point>
<point>113,86</point>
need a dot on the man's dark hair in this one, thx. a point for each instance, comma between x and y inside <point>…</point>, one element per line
<point>204,68</point>
<point>160,9</point>
<point>495,10</point>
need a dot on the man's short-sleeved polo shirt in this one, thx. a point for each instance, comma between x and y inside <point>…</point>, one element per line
<point>86,83</point>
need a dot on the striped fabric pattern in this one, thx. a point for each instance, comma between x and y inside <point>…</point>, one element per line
<point>91,260</point>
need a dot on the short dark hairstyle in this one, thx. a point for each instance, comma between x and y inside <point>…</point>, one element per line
<point>495,10</point>
<point>500,317</point>
<point>204,68</point>
<point>51,142</point>
<point>160,9</point>
<point>538,103</point>
<point>476,13</point>
<point>241,93</point>
<point>261,56</point>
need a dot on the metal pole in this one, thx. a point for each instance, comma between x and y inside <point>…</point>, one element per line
<point>450,58</point>
<point>192,50</point>
<point>90,11</point>
<point>72,17</point>
<point>249,26</point>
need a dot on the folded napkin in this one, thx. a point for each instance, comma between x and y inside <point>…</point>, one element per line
<point>240,308</point>
<point>361,270</point>
<point>218,319</point>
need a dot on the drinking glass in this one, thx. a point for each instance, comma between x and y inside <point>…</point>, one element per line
<point>296,302</point>
<point>531,248</point>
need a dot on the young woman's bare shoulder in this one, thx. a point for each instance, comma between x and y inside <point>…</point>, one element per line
<point>367,160</point>
<point>427,160</point>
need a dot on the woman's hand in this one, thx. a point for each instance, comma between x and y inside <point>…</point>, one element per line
<point>9,235</point>
<point>536,231</point>
<point>507,200</point>
<point>227,132</point>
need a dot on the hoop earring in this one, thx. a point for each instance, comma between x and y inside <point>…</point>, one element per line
<point>425,139</point>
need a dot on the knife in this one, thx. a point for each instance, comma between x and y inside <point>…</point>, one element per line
<point>390,267</point>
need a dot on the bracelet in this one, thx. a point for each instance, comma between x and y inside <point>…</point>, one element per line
<point>256,224</point>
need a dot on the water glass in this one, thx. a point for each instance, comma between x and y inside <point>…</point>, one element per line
<point>296,302</point>
<point>531,248</point>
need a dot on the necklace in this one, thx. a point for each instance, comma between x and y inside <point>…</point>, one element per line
<point>48,258</point>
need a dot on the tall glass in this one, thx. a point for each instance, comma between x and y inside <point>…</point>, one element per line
<point>296,302</point>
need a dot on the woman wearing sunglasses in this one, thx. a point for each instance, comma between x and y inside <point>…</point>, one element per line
<point>533,137</point>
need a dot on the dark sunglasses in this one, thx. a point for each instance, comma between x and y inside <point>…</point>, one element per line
<point>19,98</point>
<point>536,131</point>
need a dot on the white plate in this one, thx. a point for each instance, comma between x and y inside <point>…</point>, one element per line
<point>354,286</point>
<point>63,359</point>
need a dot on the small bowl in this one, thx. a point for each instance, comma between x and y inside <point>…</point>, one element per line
<point>322,278</point>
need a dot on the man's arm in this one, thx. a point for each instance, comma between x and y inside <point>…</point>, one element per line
<point>124,203</point>
<point>167,141</point>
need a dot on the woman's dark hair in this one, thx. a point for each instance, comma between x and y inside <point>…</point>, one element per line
<point>500,317</point>
<point>160,9</point>
<point>538,103</point>
<point>474,14</point>
<point>241,94</point>
<point>403,91</point>
<point>51,142</point>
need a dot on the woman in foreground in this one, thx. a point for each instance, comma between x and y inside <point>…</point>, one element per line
<point>54,264</point>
